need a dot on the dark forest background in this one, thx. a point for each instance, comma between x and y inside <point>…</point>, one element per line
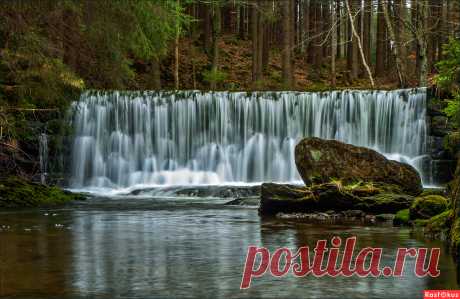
<point>50,47</point>
<point>52,50</point>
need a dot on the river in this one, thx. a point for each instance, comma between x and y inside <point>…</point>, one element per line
<point>147,247</point>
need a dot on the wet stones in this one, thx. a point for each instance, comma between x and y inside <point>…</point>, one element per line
<point>321,161</point>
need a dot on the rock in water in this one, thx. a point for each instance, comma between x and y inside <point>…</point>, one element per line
<point>17,192</point>
<point>276,198</point>
<point>320,161</point>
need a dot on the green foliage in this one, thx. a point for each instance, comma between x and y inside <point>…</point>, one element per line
<point>52,49</point>
<point>32,76</point>
<point>448,78</point>
<point>214,76</point>
<point>155,23</point>
<point>449,67</point>
<point>453,109</point>
<point>401,217</point>
<point>276,76</point>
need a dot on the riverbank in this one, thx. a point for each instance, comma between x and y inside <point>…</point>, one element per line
<point>16,192</point>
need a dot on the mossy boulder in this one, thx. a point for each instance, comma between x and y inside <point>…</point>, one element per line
<point>433,191</point>
<point>277,198</point>
<point>440,126</point>
<point>18,192</point>
<point>320,161</point>
<point>428,206</point>
<point>454,237</point>
<point>439,225</point>
<point>401,218</point>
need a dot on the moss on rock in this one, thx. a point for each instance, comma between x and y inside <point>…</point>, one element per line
<point>428,206</point>
<point>277,198</point>
<point>18,192</point>
<point>319,161</point>
<point>454,237</point>
<point>440,224</point>
<point>433,191</point>
<point>401,217</point>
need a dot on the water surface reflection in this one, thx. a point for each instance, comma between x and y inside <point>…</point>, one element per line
<point>169,248</point>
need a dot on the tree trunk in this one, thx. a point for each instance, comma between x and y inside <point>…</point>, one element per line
<point>266,47</point>
<point>349,47</point>
<point>415,24</point>
<point>354,71</point>
<point>260,39</point>
<point>215,42</point>
<point>176,52</point>
<point>311,30</point>
<point>156,74</point>
<point>444,27</point>
<point>287,51</point>
<point>358,39</point>
<point>381,44</point>
<point>396,48</point>
<point>207,36</point>
<point>255,41</point>
<point>367,20</point>
<point>402,35</point>
<point>227,18</point>
<point>307,34</point>
<point>242,22</point>
<point>333,45</point>
<point>422,32</point>
<point>318,41</point>
<point>339,28</point>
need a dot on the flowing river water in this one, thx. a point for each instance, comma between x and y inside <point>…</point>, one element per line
<point>184,247</point>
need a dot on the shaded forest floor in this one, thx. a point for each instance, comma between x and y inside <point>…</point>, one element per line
<point>235,62</point>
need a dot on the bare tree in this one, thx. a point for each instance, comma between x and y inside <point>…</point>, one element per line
<point>333,44</point>
<point>358,39</point>
<point>381,41</point>
<point>396,47</point>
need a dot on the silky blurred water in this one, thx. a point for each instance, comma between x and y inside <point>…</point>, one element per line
<point>183,247</point>
<point>132,138</point>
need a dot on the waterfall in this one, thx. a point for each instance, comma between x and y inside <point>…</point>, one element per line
<point>43,156</point>
<point>124,139</point>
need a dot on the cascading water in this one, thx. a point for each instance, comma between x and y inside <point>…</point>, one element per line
<point>43,156</point>
<point>124,139</point>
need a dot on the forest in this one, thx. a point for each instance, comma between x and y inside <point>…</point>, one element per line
<point>50,48</point>
<point>146,144</point>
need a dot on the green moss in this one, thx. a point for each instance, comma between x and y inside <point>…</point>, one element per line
<point>420,222</point>
<point>401,217</point>
<point>451,142</point>
<point>331,196</point>
<point>434,191</point>
<point>439,224</point>
<point>455,236</point>
<point>316,155</point>
<point>17,192</point>
<point>428,206</point>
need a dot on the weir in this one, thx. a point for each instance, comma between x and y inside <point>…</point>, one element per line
<point>43,156</point>
<point>124,139</point>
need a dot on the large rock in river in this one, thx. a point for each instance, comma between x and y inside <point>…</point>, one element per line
<point>369,198</point>
<point>320,161</point>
